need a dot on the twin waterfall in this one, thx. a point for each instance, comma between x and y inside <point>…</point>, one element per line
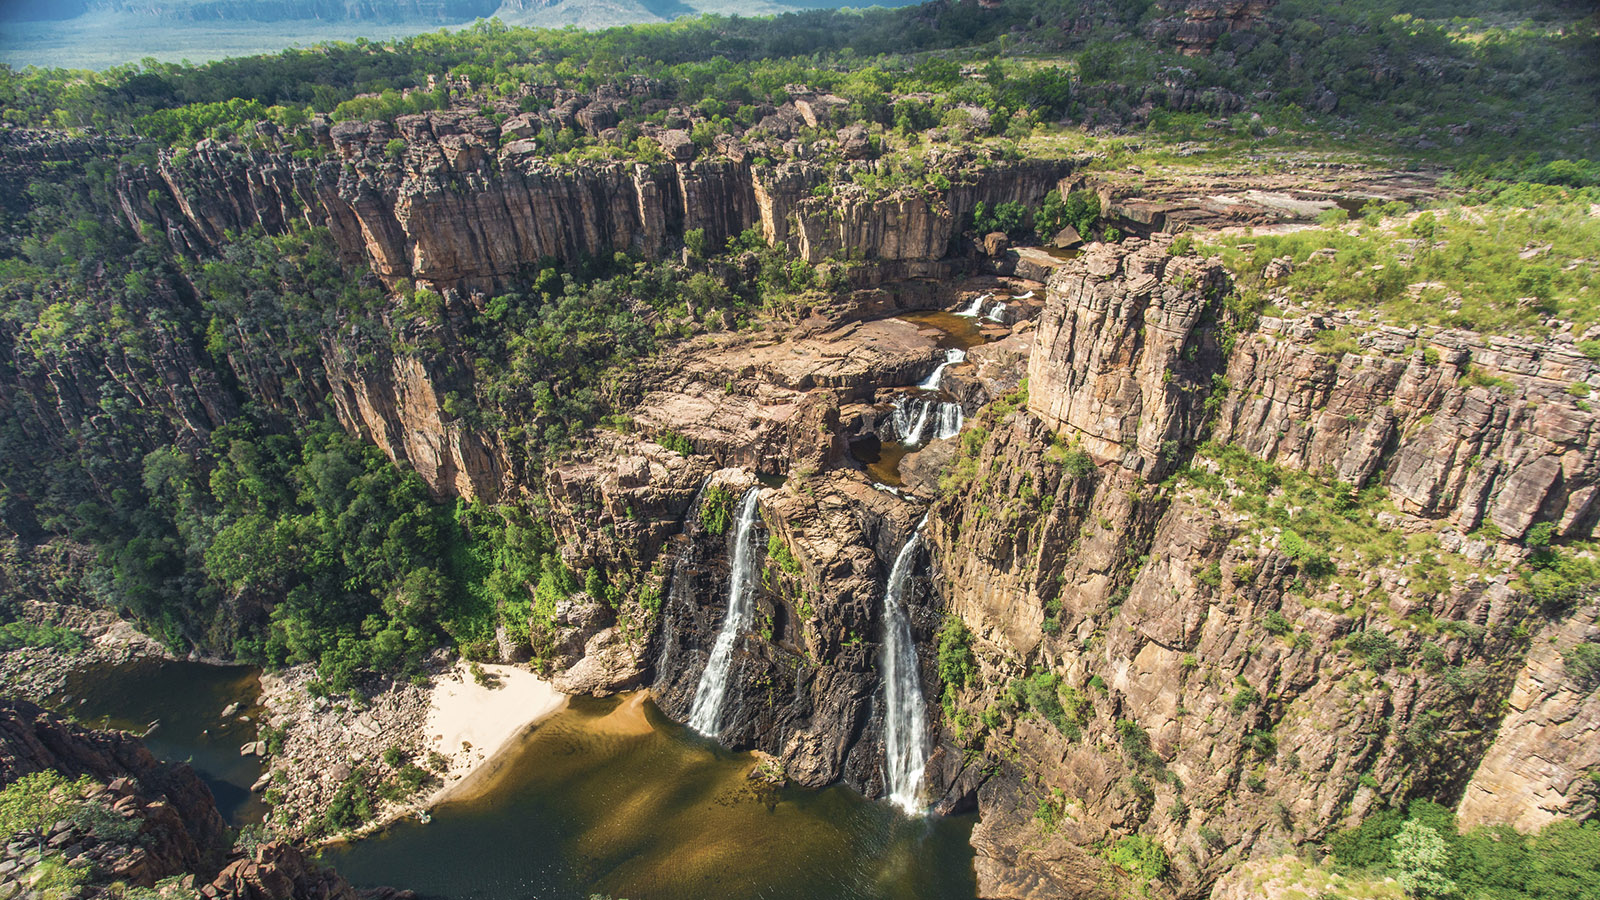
<point>706,715</point>
<point>905,732</point>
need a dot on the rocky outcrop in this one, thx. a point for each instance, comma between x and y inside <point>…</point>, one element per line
<point>143,821</point>
<point>1195,25</point>
<point>804,687</point>
<point>179,826</point>
<point>1124,353</point>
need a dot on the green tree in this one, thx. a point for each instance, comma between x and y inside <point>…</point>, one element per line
<point>1421,861</point>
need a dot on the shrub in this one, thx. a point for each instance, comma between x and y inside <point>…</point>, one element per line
<point>1246,697</point>
<point>1379,649</point>
<point>675,442</point>
<point>1275,623</point>
<point>779,552</point>
<point>957,665</point>
<point>1140,857</point>
<point>716,510</point>
<point>1136,745</point>
<point>14,635</point>
<point>1041,692</point>
<point>1583,664</point>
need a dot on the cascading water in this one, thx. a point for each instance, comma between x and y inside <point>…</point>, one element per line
<point>951,418</point>
<point>998,314</point>
<point>951,357</point>
<point>905,729</point>
<point>911,419</point>
<point>975,308</point>
<point>706,714</point>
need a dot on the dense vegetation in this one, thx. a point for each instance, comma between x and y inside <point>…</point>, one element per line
<point>1422,76</point>
<point>1422,848</point>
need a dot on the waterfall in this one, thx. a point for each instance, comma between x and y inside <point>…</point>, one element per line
<point>951,356</point>
<point>1026,296</point>
<point>905,731</point>
<point>908,430</point>
<point>998,314</point>
<point>976,306</point>
<point>706,715</point>
<point>951,419</point>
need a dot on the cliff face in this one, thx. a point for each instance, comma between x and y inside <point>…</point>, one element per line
<point>1223,695</point>
<point>1536,768</point>
<point>453,200</point>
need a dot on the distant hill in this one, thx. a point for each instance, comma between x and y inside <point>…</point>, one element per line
<point>101,33</point>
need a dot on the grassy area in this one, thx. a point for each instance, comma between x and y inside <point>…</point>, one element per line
<point>1505,266</point>
<point>1334,533</point>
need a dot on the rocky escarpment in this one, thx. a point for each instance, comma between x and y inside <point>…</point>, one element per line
<point>1221,690</point>
<point>469,203</point>
<point>143,821</point>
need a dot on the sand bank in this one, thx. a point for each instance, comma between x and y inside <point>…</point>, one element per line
<point>470,723</point>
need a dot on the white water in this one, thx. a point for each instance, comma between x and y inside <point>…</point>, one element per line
<point>951,419</point>
<point>1026,296</point>
<point>904,728</point>
<point>951,357</point>
<point>912,419</point>
<point>706,715</point>
<point>976,307</point>
<point>998,314</point>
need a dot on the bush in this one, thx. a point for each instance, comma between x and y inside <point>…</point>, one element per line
<point>957,665</point>
<point>717,510</point>
<point>1274,623</point>
<point>1140,857</point>
<point>1246,697</point>
<point>1136,745</point>
<point>1378,648</point>
<point>1041,691</point>
<point>1583,664</point>
<point>14,635</point>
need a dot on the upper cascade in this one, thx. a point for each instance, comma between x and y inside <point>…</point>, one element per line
<point>706,715</point>
<point>975,308</point>
<point>952,356</point>
<point>905,726</point>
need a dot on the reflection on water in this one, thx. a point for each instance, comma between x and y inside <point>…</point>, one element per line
<point>954,331</point>
<point>186,700</point>
<point>610,797</point>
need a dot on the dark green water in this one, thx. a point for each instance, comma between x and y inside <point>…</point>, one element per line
<point>609,797</point>
<point>186,699</point>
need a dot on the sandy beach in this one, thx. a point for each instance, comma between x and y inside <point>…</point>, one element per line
<point>470,723</point>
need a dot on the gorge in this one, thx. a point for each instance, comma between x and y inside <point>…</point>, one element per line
<point>1012,450</point>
